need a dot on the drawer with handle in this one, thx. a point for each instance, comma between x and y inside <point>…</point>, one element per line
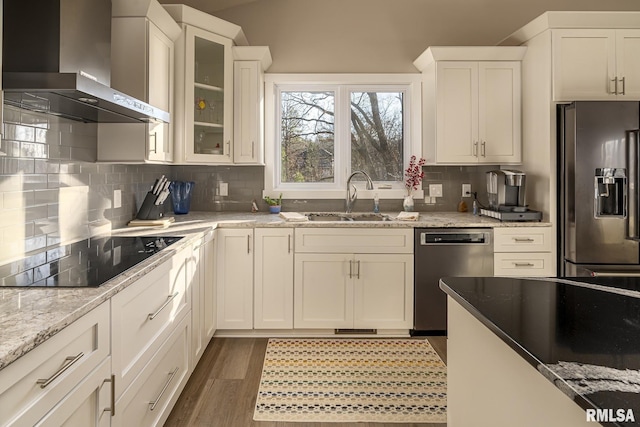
<point>523,239</point>
<point>523,264</point>
<point>37,381</point>
<point>149,399</point>
<point>144,314</point>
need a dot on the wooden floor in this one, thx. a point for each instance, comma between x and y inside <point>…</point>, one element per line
<point>222,390</point>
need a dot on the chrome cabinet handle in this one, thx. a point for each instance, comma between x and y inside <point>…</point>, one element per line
<point>71,360</point>
<point>475,149</point>
<point>523,264</point>
<point>483,148</point>
<point>253,146</point>
<point>228,144</point>
<point>169,298</point>
<point>613,91</point>
<point>112,408</point>
<point>350,269</point>
<point>523,239</point>
<point>623,87</point>
<point>248,243</point>
<point>289,249</point>
<point>358,274</point>
<point>152,405</point>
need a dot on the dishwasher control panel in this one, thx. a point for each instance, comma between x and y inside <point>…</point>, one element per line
<point>460,237</point>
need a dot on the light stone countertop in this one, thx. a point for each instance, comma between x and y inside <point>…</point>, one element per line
<point>30,316</point>
<point>427,219</point>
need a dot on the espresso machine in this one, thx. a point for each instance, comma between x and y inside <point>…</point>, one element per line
<point>507,191</point>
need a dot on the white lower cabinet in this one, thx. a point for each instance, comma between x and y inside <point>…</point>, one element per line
<point>35,387</point>
<point>368,289</point>
<point>523,251</point>
<point>234,278</point>
<point>203,306</point>
<point>125,362</point>
<point>149,400</point>
<point>273,279</point>
<point>144,314</point>
<point>361,291</point>
<point>323,291</point>
<point>383,291</point>
<point>89,404</point>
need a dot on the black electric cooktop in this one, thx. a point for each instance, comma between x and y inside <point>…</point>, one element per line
<point>87,263</point>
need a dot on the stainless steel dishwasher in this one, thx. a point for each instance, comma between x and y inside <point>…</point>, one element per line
<point>441,252</point>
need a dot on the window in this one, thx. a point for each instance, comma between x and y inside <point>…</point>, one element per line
<point>320,129</point>
<point>307,143</point>
<point>377,137</point>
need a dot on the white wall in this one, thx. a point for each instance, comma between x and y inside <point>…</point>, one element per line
<point>378,36</point>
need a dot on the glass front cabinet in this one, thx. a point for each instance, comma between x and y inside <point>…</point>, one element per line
<point>203,123</point>
<point>208,112</point>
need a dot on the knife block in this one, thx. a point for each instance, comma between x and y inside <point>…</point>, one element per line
<point>149,209</point>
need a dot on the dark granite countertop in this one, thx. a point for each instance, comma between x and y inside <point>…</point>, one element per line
<point>583,334</point>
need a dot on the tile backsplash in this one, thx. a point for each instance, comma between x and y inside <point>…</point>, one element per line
<point>52,190</point>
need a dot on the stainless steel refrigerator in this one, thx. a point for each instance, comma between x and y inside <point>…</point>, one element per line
<point>598,188</point>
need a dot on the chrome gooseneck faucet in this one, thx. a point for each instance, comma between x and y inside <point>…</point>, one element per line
<point>351,198</point>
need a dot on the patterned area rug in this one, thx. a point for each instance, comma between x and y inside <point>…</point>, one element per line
<point>352,380</point>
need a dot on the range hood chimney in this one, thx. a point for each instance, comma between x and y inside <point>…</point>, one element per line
<point>57,60</point>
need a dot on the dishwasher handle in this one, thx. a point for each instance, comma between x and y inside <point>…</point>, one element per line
<point>462,238</point>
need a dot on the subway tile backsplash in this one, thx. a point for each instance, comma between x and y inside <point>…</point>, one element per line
<point>53,191</point>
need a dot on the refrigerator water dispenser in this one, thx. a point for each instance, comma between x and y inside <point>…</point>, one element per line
<point>610,192</point>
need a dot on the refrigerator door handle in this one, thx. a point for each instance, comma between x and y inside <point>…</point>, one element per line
<point>615,274</point>
<point>633,184</point>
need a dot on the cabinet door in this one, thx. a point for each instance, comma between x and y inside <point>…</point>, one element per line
<point>583,64</point>
<point>383,291</point>
<point>207,259</point>
<point>499,129</point>
<point>457,112</point>
<point>247,114</point>
<point>323,291</point>
<point>628,64</point>
<point>273,305</point>
<point>234,278</point>
<point>88,405</point>
<point>203,309</point>
<point>196,281</point>
<point>160,87</point>
<point>208,97</point>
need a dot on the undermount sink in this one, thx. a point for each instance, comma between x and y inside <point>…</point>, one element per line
<point>352,217</point>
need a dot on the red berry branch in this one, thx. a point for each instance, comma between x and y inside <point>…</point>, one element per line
<point>413,174</point>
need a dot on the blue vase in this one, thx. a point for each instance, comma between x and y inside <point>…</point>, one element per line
<point>181,196</point>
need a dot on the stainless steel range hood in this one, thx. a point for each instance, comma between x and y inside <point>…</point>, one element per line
<point>56,60</point>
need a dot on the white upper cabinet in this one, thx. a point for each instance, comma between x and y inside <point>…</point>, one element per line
<point>248,91</point>
<point>471,105</point>
<point>628,63</point>
<point>204,87</point>
<point>142,65</point>
<point>596,64</point>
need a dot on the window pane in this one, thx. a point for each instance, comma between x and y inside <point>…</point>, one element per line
<point>377,134</point>
<point>307,136</point>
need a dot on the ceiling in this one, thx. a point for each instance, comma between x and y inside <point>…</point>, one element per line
<point>378,36</point>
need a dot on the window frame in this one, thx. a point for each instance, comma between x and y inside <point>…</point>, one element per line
<point>343,85</point>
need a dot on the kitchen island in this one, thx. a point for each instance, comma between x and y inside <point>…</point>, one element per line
<point>552,352</point>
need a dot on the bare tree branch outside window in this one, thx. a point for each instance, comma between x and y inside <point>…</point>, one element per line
<point>308,135</point>
<point>377,134</point>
